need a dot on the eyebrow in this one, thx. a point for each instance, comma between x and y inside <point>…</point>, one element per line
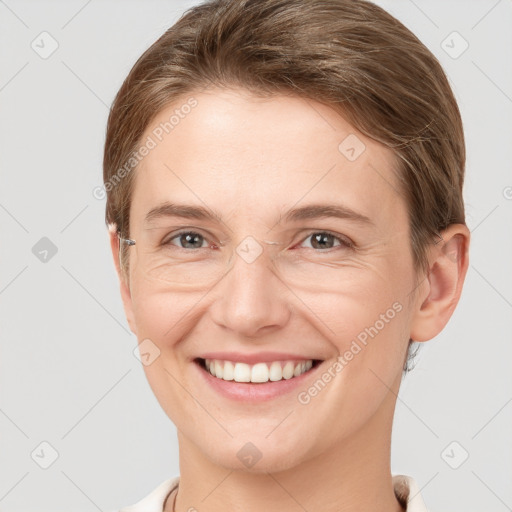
<point>317,211</point>
<point>312,211</point>
<point>181,210</point>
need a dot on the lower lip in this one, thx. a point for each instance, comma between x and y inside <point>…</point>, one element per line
<point>255,392</point>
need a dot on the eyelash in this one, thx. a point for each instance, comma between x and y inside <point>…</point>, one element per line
<point>344,241</point>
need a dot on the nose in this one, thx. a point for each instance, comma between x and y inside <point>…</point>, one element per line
<point>251,298</point>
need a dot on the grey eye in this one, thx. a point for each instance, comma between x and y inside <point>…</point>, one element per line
<point>189,240</point>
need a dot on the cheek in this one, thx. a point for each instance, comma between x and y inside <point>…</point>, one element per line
<point>370,342</point>
<point>151,314</point>
<point>159,314</point>
<point>371,334</point>
<point>164,319</point>
<point>366,294</point>
<point>366,322</point>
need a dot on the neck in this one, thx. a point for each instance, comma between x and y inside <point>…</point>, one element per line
<point>353,475</point>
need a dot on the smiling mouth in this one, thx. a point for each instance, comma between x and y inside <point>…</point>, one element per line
<point>258,373</point>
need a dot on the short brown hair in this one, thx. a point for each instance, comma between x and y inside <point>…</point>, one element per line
<point>349,54</point>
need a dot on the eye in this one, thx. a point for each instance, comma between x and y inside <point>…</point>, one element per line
<point>187,240</point>
<point>324,240</point>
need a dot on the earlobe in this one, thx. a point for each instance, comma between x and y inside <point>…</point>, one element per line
<point>449,262</point>
<point>123,279</point>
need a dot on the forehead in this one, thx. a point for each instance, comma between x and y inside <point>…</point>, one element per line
<point>246,156</point>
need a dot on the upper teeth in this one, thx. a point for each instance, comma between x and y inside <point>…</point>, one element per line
<point>259,372</point>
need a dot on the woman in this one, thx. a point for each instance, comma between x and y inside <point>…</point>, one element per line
<point>284,196</point>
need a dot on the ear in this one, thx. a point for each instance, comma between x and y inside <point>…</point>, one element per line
<point>123,279</point>
<point>440,291</point>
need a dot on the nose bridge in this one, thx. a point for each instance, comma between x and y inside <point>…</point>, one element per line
<point>250,249</point>
<point>252,261</point>
<point>251,295</point>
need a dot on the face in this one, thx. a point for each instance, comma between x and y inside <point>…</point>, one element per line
<point>332,286</point>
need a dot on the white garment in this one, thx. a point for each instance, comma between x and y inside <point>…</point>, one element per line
<point>406,490</point>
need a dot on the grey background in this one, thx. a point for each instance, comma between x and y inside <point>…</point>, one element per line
<point>68,376</point>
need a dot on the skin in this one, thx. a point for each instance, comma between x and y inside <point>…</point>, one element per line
<point>251,160</point>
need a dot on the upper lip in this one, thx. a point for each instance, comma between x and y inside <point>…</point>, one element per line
<point>259,357</point>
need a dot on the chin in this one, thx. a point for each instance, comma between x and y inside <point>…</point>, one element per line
<point>257,457</point>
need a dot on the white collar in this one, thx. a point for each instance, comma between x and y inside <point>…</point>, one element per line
<point>406,489</point>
